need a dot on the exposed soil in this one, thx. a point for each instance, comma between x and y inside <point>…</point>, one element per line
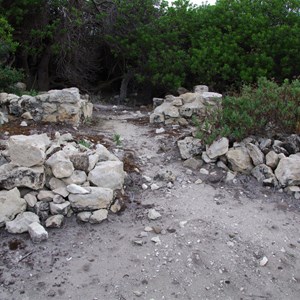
<point>213,235</point>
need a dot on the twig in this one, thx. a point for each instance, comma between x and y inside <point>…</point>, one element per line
<point>25,256</point>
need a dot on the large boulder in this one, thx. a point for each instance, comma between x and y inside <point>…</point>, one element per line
<point>13,176</point>
<point>239,160</point>
<point>60,164</point>
<point>11,204</point>
<point>97,198</point>
<point>288,170</point>
<point>28,151</point>
<point>189,146</point>
<point>218,148</point>
<point>21,222</point>
<point>108,174</point>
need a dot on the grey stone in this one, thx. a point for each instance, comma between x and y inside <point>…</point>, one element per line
<point>55,183</point>
<point>256,154</point>
<point>218,148</point>
<point>98,198</point>
<point>80,161</point>
<point>104,154</point>
<point>59,209</point>
<point>108,174</point>
<point>60,164</point>
<point>157,118</point>
<point>37,232</point>
<point>98,216</point>
<point>30,199</point>
<point>193,163</point>
<point>45,195</point>
<point>62,192</point>
<point>78,177</point>
<point>54,221</point>
<point>153,214</point>
<point>28,151</point>
<point>272,159</point>
<point>76,189</point>
<point>42,210</point>
<point>239,160</point>
<point>21,222</point>
<point>200,89</point>
<point>189,147</point>
<point>206,159</point>
<point>262,172</point>
<point>11,204</point>
<point>84,216</point>
<point>58,199</point>
<point>288,170</point>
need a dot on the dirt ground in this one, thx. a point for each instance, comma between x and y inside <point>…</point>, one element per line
<point>212,236</point>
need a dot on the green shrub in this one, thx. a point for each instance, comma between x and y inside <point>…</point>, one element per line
<point>9,76</point>
<point>267,107</point>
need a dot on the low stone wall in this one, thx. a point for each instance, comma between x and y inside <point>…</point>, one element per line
<point>66,106</point>
<point>273,162</point>
<point>43,181</point>
<point>176,110</point>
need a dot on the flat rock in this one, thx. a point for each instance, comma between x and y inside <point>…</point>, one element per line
<point>218,148</point>
<point>98,216</point>
<point>11,204</point>
<point>76,189</point>
<point>37,232</point>
<point>78,177</point>
<point>97,198</point>
<point>21,222</point>
<point>54,221</point>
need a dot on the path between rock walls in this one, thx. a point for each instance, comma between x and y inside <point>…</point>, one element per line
<point>213,240</point>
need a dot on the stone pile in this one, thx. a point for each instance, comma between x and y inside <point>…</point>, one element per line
<point>66,106</point>
<point>275,163</point>
<point>176,110</point>
<point>44,181</point>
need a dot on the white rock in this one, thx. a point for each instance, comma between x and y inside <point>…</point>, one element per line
<point>23,124</point>
<point>160,130</point>
<point>144,186</point>
<point>154,187</point>
<point>21,222</point>
<point>54,221</point>
<point>108,174</point>
<point>62,191</point>
<point>78,177</point>
<point>104,154</point>
<point>98,216</point>
<point>60,164</point>
<point>182,224</point>
<point>37,232</point>
<point>198,181</point>
<point>218,148</point>
<point>156,240</point>
<point>263,261</point>
<point>30,199</point>
<point>148,229</point>
<point>28,151</point>
<point>147,178</point>
<point>204,171</point>
<point>153,214</point>
<point>97,198</point>
<point>11,204</point>
<point>288,170</point>
<point>76,189</point>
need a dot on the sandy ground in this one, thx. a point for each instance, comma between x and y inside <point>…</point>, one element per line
<point>212,236</point>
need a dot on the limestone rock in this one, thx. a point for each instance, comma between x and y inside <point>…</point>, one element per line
<point>256,154</point>
<point>76,189</point>
<point>288,170</point>
<point>98,216</point>
<point>239,160</point>
<point>272,159</point>
<point>60,164</point>
<point>262,172</point>
<point>196,107</point>
<point>108,174</point>
<point>62,191</point>
<point>37,232</point>
<point>45,195</point>
<point>28,151</point>
<point>189,147</point>
<point>59,209</point>
<point>58,199</point>
<point>104,154</point>
<point>11,204</point>
<point>200,89</point>
<point>218,148</point>
<point>55,183</point>
<point>98,198</point>
<point>153,214</point>
<point>193,163</point>
<point>21,222</point>
<point>54,221</point>
<point>84,216</point>
<point>30,199</point>
<point>13,176</point>
<point>78,177</point>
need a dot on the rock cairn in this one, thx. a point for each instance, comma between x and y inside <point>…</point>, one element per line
<point>176,110</point>
<point>273,162</point>
<point>66,106</point>
<point>44,181</point>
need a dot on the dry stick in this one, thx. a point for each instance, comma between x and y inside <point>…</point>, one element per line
<point>25,256</point>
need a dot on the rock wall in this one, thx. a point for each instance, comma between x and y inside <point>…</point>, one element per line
<point>176,110</point>
<point>273,162</point>
<point>66,106</point>
<point>44,181</point>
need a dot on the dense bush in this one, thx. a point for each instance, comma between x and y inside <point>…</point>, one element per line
<point>267,107</point>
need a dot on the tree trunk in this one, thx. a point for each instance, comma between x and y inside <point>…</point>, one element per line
<point>124,85</point>
<point>43,71</point>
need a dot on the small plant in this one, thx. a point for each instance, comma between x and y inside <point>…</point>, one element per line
<point>117,139</point>
<point>85,143</point>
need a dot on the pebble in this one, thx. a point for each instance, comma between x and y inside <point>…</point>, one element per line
<point>23,124</point>
<point>198,181</point>
<point>153,214</point>
<point>204,171</point>
<point>138,242</point>
<point>148,229</point>
<point>160,130</point>
<point>138,293</point>
<point>144,186</point>
<point>154,187</point>
<point>264,261</point>
<point>147,178</point>
<point>157,229</point>
<point>182,224</point>
<point>143,234</point>
<point>170,185</point>
<point>189,172</point>
<point>156,240</point>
